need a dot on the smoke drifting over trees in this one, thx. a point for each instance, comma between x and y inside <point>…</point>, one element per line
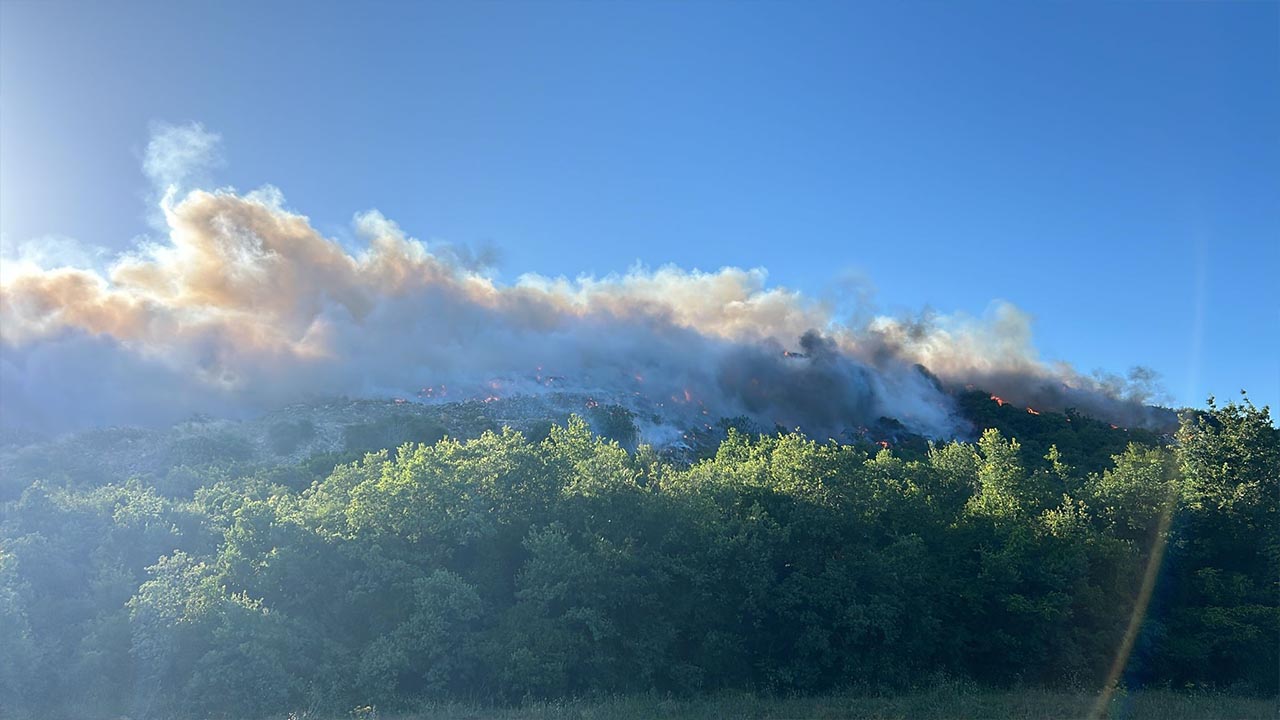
<point>242,304</point>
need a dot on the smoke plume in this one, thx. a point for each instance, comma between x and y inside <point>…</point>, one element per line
<point>242,305</point>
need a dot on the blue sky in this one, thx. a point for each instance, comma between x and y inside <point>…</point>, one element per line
<point>1113,169</point>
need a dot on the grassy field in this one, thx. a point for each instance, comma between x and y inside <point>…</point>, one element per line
<point>933,704</point>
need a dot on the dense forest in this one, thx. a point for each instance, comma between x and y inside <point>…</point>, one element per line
<point>564,562</point>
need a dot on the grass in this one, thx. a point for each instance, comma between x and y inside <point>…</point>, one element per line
<point>939,703</point>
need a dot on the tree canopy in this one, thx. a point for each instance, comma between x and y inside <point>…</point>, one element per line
<point>508,567</point>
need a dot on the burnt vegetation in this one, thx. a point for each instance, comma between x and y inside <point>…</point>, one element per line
<point>395,558</point>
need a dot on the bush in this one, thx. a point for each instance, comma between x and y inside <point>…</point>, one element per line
<point>391,432</point>
<point>287,436</point>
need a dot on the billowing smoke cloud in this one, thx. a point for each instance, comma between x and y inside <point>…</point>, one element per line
<point>243,305</point>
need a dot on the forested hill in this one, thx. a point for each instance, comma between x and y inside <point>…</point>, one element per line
<point>231,570</point>
<point>301,443</point>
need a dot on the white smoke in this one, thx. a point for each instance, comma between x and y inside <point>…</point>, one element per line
<point>180,157</point>
<point>243,305</point>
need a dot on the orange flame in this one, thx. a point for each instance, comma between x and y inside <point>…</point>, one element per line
<point>1033,411</point>
<point>883,443</point>
<point>999,400</point>
<point>430,391</point>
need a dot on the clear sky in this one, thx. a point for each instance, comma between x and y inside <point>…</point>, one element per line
<point>1113,169</point>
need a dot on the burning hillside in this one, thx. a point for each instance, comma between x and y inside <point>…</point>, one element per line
<point>244,306</point>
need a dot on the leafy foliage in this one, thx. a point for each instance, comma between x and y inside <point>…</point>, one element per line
<point>567,565</point>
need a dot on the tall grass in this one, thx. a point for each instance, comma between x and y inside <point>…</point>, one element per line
<point>942,702</point>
